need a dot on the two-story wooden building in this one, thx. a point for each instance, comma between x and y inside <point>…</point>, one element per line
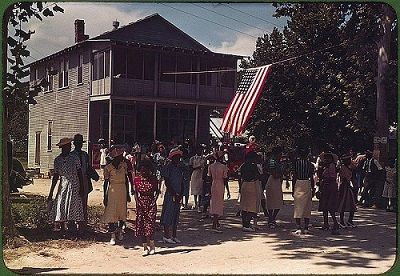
<point>113,86</point>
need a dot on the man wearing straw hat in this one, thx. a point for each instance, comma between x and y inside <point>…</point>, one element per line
<point>174,176</point>
<point>67,207</point>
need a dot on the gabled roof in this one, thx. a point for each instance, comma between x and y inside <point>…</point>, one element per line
<point>154,30</point>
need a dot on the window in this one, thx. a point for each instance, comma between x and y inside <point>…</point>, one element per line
<point>66,66</point>
<point>228,79</point>
<point>184,64</point>
<point>205,78</point>
<point>168,63</point>
<point>34,74</point>
<point>49,78</point>
<point>80,68</point>
<point>49,134</point>
<point>149,66</point>
<point>120,62</point>
<point>63,74</point>
<point>101,65</point>
<point>107,63</point>
<point>37,148</point>
<point>135,65</point>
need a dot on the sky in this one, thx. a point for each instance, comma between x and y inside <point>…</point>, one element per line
<point>225,35</point>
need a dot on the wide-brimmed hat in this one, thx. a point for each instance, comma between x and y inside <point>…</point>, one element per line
<point>116,151</point>
<point>78,138</point>
<point>174,152</point>
<point>64,141</point>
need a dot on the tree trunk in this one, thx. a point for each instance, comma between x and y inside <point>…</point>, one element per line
<point>382,125</point>
<point>9,230</point>
<point>8,225</point>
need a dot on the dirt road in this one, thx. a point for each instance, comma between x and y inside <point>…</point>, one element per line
<point>369,248</point>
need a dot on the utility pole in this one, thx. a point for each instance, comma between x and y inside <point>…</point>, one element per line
<point>382,125</point>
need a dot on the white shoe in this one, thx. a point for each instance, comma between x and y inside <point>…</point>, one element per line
<point>112,241</point>
<point>297,232</point>
<point>168,240</point>
<point>248,229</point>
<point>145,252</point>
<point>176,240</point>
<point>152,251</point>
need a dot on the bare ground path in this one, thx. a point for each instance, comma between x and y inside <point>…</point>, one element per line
<point>369,248</point>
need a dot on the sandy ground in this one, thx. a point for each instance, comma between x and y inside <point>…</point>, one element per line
<point>369,248</point>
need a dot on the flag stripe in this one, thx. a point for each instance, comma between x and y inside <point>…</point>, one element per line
<point>235,105</point>
<point>250,97</point>
<point>243,104</point>
<point>255,100</point>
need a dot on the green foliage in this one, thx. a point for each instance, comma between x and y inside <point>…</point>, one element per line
<point>328,94</point>
<point>30,212</point>
<point>16,91</point>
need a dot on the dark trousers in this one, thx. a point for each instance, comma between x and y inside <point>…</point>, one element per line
<point>112,227</point>
<point>246,218</point>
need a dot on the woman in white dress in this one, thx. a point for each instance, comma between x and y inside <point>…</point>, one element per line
<point>197,163</point>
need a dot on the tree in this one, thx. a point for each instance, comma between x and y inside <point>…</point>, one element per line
<point>327,94</point>
<point>16,91</point>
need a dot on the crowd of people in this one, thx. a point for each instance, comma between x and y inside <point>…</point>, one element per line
<point>177,171</point>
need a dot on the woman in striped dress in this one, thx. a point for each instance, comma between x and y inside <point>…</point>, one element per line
<point>302,190</point>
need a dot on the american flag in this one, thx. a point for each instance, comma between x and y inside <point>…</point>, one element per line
<point>246,97</point>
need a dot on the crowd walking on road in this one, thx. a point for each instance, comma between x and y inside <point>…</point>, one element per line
<point>177,171</point>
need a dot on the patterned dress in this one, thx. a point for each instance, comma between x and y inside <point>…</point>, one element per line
<point>68,203</point>
<point>146,207</point>
<point>217,171</point>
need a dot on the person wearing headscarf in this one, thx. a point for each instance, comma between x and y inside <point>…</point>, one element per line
<point>218,171</point>
<point>116,193</point>
<point>173,175</point>
<point>67,207</point>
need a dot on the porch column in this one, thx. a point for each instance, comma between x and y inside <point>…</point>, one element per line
<point>155,121</point>
<point>109,121</point>
<point>196,125</point>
